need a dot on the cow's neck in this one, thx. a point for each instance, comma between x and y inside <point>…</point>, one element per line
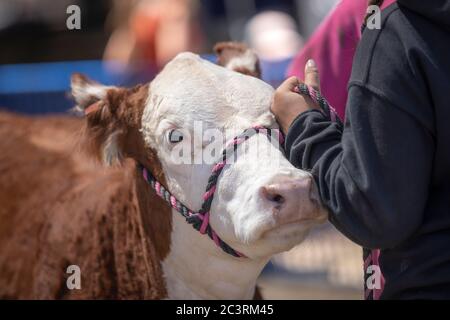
<point>192,265</point>
<point>196,268</point>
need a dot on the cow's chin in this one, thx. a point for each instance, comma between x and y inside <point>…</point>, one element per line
<point>283,237</point>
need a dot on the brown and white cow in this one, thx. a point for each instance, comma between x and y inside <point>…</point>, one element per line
<point>60,209</point>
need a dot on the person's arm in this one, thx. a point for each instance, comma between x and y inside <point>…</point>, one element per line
<point>374,175</point>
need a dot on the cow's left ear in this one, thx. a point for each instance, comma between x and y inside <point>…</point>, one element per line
<point>238,57</point>
<point>111,114</point>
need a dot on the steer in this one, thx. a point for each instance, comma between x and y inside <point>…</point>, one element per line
<point>139,229</point>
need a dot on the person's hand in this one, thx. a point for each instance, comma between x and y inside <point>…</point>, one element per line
<point>287,104</point>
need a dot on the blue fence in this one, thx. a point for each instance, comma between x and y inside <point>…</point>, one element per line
<point>44,87</point>
<point>41,88</point>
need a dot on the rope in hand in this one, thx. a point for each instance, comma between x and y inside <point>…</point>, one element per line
<point>317,97</point>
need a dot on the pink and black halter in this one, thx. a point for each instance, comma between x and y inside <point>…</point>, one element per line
<point>200,219</point>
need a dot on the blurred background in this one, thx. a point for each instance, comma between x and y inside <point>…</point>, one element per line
<point>124,42</point>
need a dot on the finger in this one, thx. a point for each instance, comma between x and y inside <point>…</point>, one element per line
<point>289,84</point>
<point>312,75</point>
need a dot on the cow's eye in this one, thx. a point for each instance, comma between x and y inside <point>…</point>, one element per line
<point>175,136</point>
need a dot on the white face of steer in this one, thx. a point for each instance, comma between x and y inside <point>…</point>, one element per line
<point>262,205</point>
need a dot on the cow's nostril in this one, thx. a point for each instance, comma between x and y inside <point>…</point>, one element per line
<point>271,194</point>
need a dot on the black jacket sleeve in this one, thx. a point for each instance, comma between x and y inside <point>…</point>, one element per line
<point>373,175</point>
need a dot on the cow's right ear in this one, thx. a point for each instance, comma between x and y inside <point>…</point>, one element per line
<point>87,92</point>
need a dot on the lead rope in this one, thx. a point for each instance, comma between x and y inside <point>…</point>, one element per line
<point>315,95</point>
<point>200,220</point>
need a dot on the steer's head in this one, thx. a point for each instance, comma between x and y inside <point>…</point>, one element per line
<point>262,204</point>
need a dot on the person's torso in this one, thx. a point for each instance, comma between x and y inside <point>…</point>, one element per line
<point>419,267</point>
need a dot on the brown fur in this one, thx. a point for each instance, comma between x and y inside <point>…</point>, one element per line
<point>226,51</point>
<point>59,208</point>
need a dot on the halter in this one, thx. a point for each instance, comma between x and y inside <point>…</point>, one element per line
<point>200,219</point>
